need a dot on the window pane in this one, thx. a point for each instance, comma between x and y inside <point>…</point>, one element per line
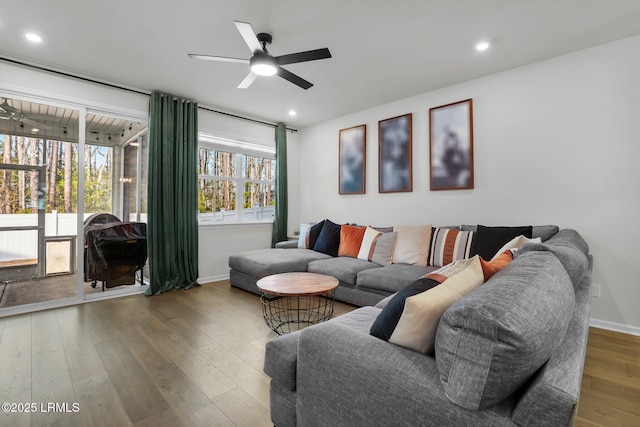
<point>217,196</point>
<point>216,163</point>
<point>258,168</point>
<point>259,200</point>
<point>97,178</point>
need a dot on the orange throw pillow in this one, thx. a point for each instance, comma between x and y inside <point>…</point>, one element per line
<point>489,268</point>
<point>350,240</point>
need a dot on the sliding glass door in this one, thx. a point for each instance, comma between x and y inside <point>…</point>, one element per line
<point>60,168</point>
<point>114,177</point>
<point>38,202</point>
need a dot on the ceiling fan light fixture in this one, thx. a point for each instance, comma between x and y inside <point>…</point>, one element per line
<point>263,65</point>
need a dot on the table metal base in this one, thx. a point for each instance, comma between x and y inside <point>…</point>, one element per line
<point>285,314</point>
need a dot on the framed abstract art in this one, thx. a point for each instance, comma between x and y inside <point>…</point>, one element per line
<point>395,155</point>
<point>451,146</point>
<point>352,159</point>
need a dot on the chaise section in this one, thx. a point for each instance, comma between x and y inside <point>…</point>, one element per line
<point>248,267</point>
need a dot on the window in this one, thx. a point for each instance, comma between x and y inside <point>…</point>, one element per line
<point>236,180</point>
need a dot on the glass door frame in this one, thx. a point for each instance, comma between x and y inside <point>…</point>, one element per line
<point>32,270</point>
<point>79,296</point>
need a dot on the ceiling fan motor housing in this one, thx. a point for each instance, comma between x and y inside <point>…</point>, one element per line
<point>263,64</point>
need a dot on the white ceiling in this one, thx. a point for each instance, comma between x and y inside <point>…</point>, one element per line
<point>382,50</point>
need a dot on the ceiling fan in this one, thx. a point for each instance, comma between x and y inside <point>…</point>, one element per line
<point>264,64</point>
<point>7,112</point>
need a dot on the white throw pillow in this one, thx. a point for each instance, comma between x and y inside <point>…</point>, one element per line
<point>303,239</point>
<point>514,244</point>
<point>412,245</point>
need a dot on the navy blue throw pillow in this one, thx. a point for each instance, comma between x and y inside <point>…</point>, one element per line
<point>314,232</point>
<point>329,239</point>
<point>389,317</point>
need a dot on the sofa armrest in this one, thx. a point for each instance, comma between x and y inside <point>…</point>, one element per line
<point>287,244</point>
<point>558,383</point>
<point>280,358</point>
<point>346,377</point>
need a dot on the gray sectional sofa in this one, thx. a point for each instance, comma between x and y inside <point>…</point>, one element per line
<point>511,352</point>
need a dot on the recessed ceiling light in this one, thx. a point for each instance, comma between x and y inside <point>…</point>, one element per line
<point>482,46</point>
<point>33,37</point>
<point>292,113</point>
<point>35,130</point>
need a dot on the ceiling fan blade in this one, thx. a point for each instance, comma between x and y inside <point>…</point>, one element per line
<point>247,80</point>
<point>218,58</point>
<point>310,55</point>
<point>6,107</point>
<point>249,36</point>
<point>34,123</point>
<point>296,80</point>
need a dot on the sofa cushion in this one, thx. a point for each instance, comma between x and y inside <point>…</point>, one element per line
<point>281,356</point>
<point>449,245</point>
<point>344,269</point>
<point>570,248</point>
<point>264,262</point>
<point>350,240</point>
<point>377,246</point>
<point>412,244</point>
<point>391,278</point>
<point>489,343</point>
<point>411,318</point>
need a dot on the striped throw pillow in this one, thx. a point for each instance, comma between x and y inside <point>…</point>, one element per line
<point>411,317</point>
<point>449,245</point>
<point>377,246</point>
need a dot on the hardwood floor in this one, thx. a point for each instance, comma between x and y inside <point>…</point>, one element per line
<point>610,394</point>
<point>194,358</point>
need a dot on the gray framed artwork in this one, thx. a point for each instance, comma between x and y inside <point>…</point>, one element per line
<point>451,146</point>
<point>395,172</point>
<point>352,160</point>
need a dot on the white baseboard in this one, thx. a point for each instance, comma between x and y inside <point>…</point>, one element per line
<point>612,326</point>
<point>202,280</point>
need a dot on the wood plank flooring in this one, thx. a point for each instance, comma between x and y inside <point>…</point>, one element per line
<point>194,358</point>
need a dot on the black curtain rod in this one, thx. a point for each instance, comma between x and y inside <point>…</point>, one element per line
<point>86,79</point>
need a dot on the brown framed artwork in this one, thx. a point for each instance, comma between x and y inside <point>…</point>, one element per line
<point>395,172</point>
<point>451,146</point>
<point>353,159</point>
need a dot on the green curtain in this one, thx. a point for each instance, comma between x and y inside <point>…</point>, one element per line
<point>172,215</point>
<point>282,205</point>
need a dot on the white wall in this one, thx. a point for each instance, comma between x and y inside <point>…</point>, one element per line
<point>556,142</point>
<point>216,242</point>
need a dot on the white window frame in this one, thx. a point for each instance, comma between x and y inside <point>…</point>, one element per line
<point>240,148</point>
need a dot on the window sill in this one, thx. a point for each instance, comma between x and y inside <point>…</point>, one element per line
<point>249,223</point>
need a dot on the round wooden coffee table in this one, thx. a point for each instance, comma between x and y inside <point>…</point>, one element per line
<point>291,301</point>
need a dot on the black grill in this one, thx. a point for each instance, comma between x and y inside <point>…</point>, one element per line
<point>114,250</point>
